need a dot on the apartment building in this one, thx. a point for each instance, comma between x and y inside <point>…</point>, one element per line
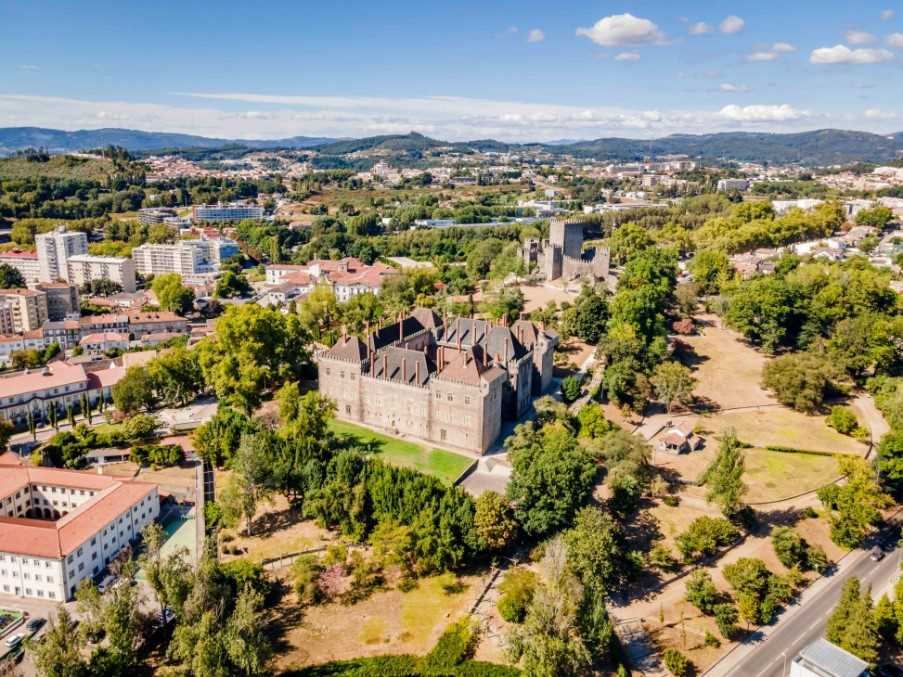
<point>234,211</point>
<point>28,308</point>
<point>54,249</point>
<point>25,262</point>
<point>60,527</point>
<point>104,341</point>
<point>62,300</point>
<point>157,259</point>
<point>347,277</point>
<point>84,268</point>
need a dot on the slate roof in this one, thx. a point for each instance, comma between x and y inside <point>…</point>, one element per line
<point>829,660</point>
<point>389,363</point>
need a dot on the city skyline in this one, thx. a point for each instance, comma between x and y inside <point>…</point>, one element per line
<point>511,72</point>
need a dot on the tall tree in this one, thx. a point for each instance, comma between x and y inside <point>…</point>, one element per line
<point>673,384</point>
<point>853,625</point>
<point>171,294</point>
<point>724,476</point>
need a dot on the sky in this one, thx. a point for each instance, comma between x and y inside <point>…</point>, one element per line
<point>515,71</point>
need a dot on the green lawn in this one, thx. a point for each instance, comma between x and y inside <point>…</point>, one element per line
<point>773,475</point>
<point>439,463</point>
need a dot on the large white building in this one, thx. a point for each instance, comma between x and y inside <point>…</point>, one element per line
<point>54,250</point>
<point>347,277</point>
<point>234,211</point>
<point>27,307</point>
<point>84,268</point>
<point>821,658</point>
<point>60,527</point>
<point>188,258</point>
<point>25,262</point>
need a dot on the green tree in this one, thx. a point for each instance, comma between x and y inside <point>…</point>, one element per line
<point>134,391</point>
<point>10,278</point>
<point>855,506</point>
<point>766,311</point>
<point>800,380</point>
<point>176,375</point>
<point>878,216</point>
<point>705,536</point>
<point>59,651</point>
<point>677,664</point>
<point>7,430</point>
<point>590,316</point>
<point>710,269</point>
<point>724,476</point>
<point>597,551</point>
<point>790,547</point>
<point>673,384</point>
<point>628,240</point>
<point>231,285</point>
<point>494,521</point>
<point>701,591</point>
<point>171,294</point>
<point>552,477</point>
<point>890,459</point>
<point>516,591</point>
<point>853,625</point>
<point>571,387</point>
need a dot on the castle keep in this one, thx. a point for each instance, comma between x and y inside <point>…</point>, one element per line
<point>562,255</point>
<point>448,380</point>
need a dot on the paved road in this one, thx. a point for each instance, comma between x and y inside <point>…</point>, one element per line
<point>765,655</point>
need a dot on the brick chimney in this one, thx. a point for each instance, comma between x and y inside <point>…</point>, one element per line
<point>404,370</point>
<point>400,326</point>
<point>417,371</point>
<point>385,366</point>
<point>372,365</point>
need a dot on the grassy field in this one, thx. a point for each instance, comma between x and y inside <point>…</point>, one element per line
<point>773,475</point>
<point>439,463</point>
<point>57,167</point>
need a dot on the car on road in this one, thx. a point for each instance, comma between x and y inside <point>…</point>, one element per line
<point>34,624</point>
<point>107,583</point>
<point>877,554</point>
<point>14,641</point>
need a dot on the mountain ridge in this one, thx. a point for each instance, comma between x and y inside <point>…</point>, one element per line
<point>817,147</point>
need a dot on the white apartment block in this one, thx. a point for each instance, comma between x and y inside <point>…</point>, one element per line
<point>27,306</point>
<point>234,211</point>
<point>54,251</point>
<point>60,527</point>
<point>23,261</point>
<point>156,259</point>
<point>84,268</point>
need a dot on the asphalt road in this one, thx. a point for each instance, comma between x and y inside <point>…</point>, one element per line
<point>771,654</point>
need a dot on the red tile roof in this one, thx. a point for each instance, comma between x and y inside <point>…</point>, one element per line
<point>55,375</point>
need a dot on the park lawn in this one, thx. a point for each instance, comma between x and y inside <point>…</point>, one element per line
<point>779,426</point>
<point>445,465</point>
<point>775,475</point>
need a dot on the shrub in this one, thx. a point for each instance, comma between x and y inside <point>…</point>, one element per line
<point>705,536</point>
<point>671,500</point>
<point>677,664</point>
<point>660,556</point>
<point>701,591</point>
<point>817,560</point>
<point>163,455</point>
<point>789,546</point>
<point>305,572</point>
<point>800,380</point>
<point>454,646</point>
<point>711,640</point>
<point>726,618</point>
<point>516,592</point>
<point>571,387</point>
<point>844,421</point>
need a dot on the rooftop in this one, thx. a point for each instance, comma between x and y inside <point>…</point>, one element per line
<point>829,660</point>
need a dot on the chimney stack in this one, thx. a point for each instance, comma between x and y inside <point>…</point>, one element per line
<point>385,366</point>
<point>400,326</point>
<point>404,370</point>
<point>372,365</point>
<point>417,371</point>
<point>344,333</point>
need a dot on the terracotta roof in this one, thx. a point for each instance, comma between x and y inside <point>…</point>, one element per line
<point>43,538</point>
<point>108,318</point>
<point>105,378</point>
<point>9,458</point>
<point>161,316</point>
<point>104,337</point>
<point>20,292</point>
<point>53,376</point>
<point>19,254</point>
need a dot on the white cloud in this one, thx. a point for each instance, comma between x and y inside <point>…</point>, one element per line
<point>859,37</point>
<point>762,56</point>
<point>878,114</point>
<point>783,47</point>
<point>628,56</point>
<point>887,15</point>
<point>762,113</point>
<point>730,87</point>
<point>700,28</point>
<point>536,35</point>
<point>28,67</point>
<point>895,40</point>
<point>622,29</point>
<point>732,24</point>
<point>237,115</point>
<point>843,54</point>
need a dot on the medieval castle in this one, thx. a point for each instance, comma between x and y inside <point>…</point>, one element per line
<point>448,380</point>
<point>562,255</point>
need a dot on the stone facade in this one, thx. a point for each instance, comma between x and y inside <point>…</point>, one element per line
<point>562,255</point>
<point>448,380</point>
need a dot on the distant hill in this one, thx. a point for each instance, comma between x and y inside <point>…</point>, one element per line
<point>58,141</point>
<point>821,147</point>
<point>57,167</point>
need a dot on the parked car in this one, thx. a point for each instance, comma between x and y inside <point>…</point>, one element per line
<point>107,583</point>
<point>877,554</point>
<point>14,641</point>
<point>34,624</point>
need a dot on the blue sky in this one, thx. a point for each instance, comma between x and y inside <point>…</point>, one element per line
<point>525,70</point>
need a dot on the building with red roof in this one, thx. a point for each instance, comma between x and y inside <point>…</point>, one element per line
<point>59,527</point>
